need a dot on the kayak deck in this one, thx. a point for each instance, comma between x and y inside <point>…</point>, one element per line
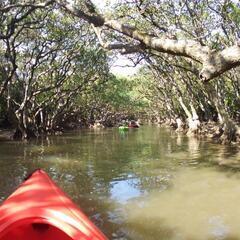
<point>38,209</point>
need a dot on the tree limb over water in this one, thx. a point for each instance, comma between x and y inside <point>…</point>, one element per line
<point>214,63</point>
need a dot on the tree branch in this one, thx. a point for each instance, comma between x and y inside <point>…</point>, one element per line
<point>125,48</point>
<point>213,63</point>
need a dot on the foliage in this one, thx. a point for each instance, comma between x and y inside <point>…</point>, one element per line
<point>53,70</point>
<point>111,101</point>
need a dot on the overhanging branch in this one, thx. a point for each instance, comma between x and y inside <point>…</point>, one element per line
<point>123,47</point>
<point>213,63</point>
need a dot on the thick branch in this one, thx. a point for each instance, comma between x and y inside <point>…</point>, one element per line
<point>125,48</point>
<point>217,63</point>
<point>214,63</point>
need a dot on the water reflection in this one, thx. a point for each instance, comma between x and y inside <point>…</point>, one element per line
<point>137,185</point>
<point>122,191</point>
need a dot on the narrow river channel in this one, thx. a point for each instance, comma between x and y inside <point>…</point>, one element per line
<point>144,184</point>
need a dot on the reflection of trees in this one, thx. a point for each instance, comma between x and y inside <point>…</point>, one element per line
<point>228,156</point>
<point>86,165</point>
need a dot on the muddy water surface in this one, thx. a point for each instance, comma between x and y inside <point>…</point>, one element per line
<point>147,183</point>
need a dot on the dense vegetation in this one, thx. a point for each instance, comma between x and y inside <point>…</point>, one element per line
<point>55,75</point>
<point>54,69</point>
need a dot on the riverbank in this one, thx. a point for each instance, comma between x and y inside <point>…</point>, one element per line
<point>6,134</point>
<point>213,131</point>
<point>219,133</point>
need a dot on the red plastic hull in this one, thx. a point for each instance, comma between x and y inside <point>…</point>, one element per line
<point>38,209</point>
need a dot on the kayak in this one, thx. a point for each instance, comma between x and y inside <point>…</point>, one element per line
<point>123,128</point>
<point>39,209</point>
<point>133,126</point>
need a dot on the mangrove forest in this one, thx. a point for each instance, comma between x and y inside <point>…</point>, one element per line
<point>56,58</point>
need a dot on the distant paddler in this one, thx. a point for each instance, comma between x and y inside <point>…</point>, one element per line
<point>133,124</point>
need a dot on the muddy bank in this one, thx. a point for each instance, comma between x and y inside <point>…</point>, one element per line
<point>216,132</point>
<point>6,134</point>
<point>227,133</point>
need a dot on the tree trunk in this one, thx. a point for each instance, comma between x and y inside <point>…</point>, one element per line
<point>193,119</point>
<point>180,125</point>
<point>24,130</point>
<point>229,133</point>
<point>21,131</point>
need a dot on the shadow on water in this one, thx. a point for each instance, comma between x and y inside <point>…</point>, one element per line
<point>138,185</point>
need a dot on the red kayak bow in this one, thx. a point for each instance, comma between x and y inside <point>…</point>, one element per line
<point>38,209</point>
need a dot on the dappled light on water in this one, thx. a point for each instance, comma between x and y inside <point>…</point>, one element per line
<point>200,205</point>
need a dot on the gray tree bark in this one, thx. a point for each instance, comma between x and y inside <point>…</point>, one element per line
<point>214,63</point>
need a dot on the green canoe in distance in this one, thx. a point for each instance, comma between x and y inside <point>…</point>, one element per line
<point>123,128</point>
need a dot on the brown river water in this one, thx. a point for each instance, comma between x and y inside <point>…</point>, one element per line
<point>144,184</point>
